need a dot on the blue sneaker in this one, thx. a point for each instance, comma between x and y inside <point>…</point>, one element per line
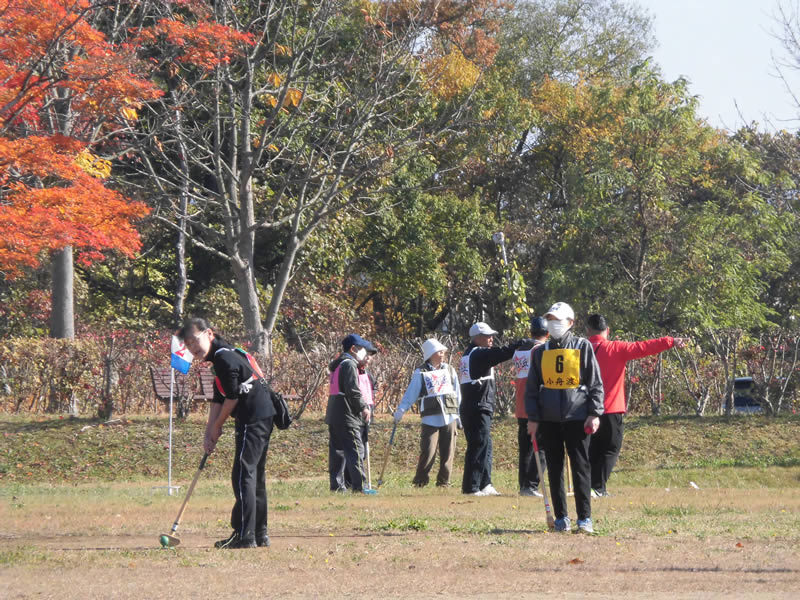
<point>584,526</point>
<point>370,492</point>
<point>563,524</point>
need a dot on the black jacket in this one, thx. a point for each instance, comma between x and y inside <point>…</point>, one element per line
<point>480,394</point>
<point>231,370</point>
<point>345,407</point>
<point>546,401</point>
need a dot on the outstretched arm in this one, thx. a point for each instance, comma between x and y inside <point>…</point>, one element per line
<point>633,350</point>
<point>411,396</point>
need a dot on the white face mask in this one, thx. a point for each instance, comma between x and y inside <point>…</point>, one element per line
<point>558,328</point>
<point>361,354</point>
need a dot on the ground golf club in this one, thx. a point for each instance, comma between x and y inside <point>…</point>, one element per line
<point>551,523</point>
<point>388,454</point>
<point>170,540</point>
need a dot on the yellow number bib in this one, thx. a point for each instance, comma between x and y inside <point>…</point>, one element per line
<point>561,369</point>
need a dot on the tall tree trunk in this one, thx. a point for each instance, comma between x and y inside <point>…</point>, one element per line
<point>182,280</point>
<point>281,282</point>
<point>62,319</point>
<point>243,246</point>
<point>248,300</point>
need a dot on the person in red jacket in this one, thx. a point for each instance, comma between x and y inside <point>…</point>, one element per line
<point>613,356</point>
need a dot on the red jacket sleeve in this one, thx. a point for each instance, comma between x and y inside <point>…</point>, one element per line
<point>632,350</point>
<point>613,356</point>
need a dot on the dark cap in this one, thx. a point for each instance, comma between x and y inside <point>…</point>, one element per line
<point>356,340</point>
<point>538,326</point>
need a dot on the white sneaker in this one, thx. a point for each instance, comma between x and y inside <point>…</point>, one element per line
<point>490,491</point>
<point>478,493</point>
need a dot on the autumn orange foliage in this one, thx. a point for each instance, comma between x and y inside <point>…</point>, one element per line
<point>573,111</point>
<point>61,83</point>
<point>203,44</point>
<point>470,26</point>
<point>78,210</point>
<point>64,85</point>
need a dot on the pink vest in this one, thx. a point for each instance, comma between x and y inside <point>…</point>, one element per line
<point>366,389</point>
<point>364,386</point>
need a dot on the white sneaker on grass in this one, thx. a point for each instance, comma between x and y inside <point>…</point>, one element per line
<point>563,524</point>
<point>584,526</point>
<point>490,491</point>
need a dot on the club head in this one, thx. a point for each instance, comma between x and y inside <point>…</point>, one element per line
<point>169,541</point>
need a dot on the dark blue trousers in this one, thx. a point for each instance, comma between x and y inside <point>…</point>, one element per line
<point>345,454</point>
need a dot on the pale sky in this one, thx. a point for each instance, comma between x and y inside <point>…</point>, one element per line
<point>725,49</point>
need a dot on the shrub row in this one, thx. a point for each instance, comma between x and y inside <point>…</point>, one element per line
<point>110,373</point>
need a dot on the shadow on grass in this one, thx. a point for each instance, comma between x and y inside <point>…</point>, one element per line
<point>497,531</point>
<point>210,544</point>
<point>707,570</point>
<point>554,569</point>
<point>38,425</point>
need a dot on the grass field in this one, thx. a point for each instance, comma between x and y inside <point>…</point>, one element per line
<point>81,511</point>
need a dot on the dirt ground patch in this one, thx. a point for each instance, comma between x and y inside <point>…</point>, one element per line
<point>408,566</point>
<point>102,541</point>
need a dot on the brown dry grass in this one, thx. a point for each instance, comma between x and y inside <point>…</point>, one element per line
<point>102,541</point>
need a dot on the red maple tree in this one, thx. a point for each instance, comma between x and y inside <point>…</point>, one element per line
<point>68,93</point>
<point>64,90</point>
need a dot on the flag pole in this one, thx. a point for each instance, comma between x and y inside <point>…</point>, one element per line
<point>169,463</point>
<point>181,360</point>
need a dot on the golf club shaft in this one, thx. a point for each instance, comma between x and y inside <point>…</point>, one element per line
<point>369,471</point>
<point>551,523</point>
<point>569,475</point>
<point>189,492</point>
<point>388,454</point>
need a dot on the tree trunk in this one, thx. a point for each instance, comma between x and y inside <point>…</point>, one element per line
<point>107,409</point>
<point>702,402</point>
<point>182,281</point>
<point>62,320</point>
<point>248,300</point>
<point>281,283</point>
<point>241,236</point>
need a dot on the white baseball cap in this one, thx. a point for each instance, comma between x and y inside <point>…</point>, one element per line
<point>481,328</point>
<point>561,310</point>
<point>430,347</point>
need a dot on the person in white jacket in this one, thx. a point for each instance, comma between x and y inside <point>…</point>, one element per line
<point>435,386</point>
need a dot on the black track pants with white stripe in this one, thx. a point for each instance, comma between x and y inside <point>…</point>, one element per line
<point>249,479</point>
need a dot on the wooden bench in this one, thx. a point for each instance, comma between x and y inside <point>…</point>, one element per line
<point>200,388</point>
<point>186,390</point>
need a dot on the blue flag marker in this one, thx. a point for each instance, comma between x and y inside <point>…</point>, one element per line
<point>181,357</point>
